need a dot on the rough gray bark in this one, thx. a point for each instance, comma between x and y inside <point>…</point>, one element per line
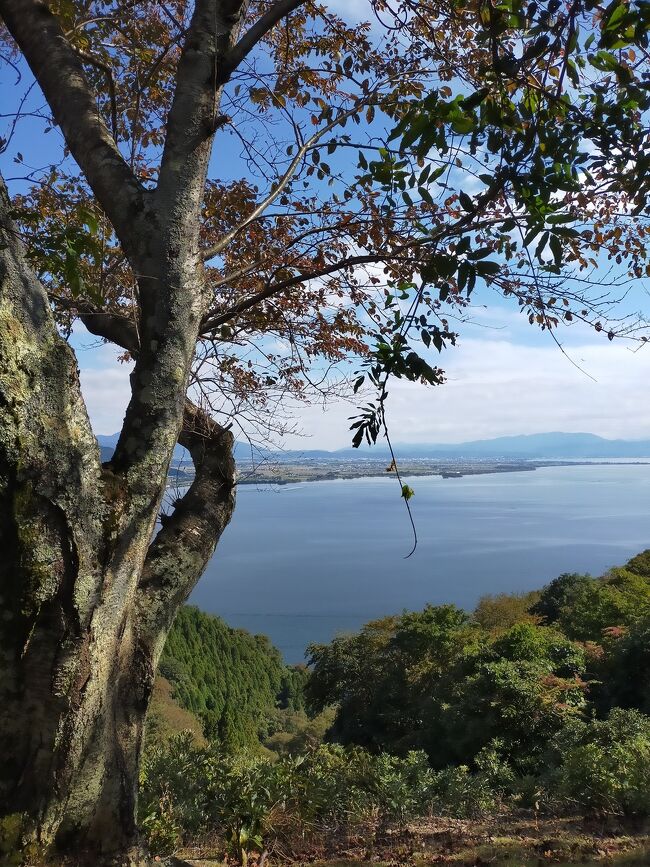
<point>87,599</point>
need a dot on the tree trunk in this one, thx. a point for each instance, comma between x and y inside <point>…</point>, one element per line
<point>87,597</point>
<point>88,593</point>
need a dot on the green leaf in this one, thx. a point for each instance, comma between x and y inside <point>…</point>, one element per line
<point>560,218</point>
<point>487,269</point>
<point>543,241</point>
<point>617,15</point>
<point>407,492</point>
<point>462,124</point>
<point>475,99</point>
<point>556,249</point>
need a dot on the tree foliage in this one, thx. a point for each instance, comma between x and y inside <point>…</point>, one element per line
<point>381,677</point>
<point>229,678</point>
<point>452,685</point>
<point>584,607</point>
<point>543,131</point>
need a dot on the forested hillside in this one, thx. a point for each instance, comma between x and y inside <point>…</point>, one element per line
<point>537,702</point>
<point>231,680</point>
<point>508,677</point>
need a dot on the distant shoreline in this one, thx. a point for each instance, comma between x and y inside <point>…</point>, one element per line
<point>325,471</point>
<point>297,472</point>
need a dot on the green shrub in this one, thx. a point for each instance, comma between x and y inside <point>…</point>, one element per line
<point>189,792</point>
<point>404,788</point>
<point>604,765</point>
<point>462,794</point>
<point>174,782</point>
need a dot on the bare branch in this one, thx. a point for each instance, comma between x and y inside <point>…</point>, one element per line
<point>303,150</point>
<point>400,254</point>
<point>252,36</point>
<point>60,75</point>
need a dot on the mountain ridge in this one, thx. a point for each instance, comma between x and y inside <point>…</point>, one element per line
<point>548,445</point>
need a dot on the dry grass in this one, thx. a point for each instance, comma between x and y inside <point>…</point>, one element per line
<point>515,839</point>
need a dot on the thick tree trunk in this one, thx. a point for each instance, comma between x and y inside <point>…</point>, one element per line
<point>87,598</point>
<point>87,594</point>
<point>70,722</point>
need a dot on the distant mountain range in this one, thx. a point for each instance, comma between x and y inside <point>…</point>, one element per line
<point>542,446</point>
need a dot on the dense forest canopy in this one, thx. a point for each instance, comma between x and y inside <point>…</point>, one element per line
<point>232,680</point>
<point>453,684</point>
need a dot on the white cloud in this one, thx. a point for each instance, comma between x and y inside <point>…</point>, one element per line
<point>354,10</point>
<point>496,387</point>
<point>507,379</point>
<point>106,392</point>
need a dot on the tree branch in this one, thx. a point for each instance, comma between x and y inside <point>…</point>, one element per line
<point>277,288</point>
<point>217,248</point>
<point>59,73</point>
<point>462,225</point>
<point>253,35</point>
<point>99,64</point>
<point>191,120</point>
<point>111,326</point>
<point>187,539</point>
<point>350,262</point>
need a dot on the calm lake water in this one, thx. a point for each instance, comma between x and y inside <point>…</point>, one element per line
<point>301,563</point>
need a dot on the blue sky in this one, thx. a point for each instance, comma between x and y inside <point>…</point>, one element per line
<point>504,377</point>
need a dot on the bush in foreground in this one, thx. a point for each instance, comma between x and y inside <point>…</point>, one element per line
<point>604,765</point>
<point>190,792</point>
<point>248,802</point>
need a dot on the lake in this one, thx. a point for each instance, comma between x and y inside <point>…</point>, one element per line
<point>303,562</point>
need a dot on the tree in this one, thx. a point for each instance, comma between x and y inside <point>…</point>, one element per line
<point>198,272</point>
<point>518,690</point>
<point>432,680</point>
<point>585,607</point>
<point>128,230</point>
<point>623,670</point>
<point>385,679</point>
<point>557,594</point>
<point>505,609</point>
